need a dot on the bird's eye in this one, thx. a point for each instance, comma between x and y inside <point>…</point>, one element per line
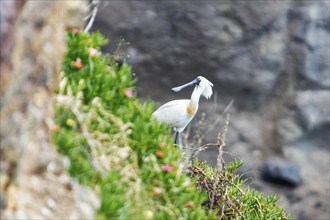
<point>198,80</point>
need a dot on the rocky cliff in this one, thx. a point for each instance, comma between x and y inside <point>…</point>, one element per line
<point>34,181</point>
<point>271,57</point>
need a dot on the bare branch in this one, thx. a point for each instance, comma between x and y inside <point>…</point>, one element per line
<point>220,161</point>
<point>92,14</point>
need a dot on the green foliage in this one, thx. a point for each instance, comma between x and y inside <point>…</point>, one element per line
<point>112,142</point>
<point>230,198</point>
<point>116,148</point>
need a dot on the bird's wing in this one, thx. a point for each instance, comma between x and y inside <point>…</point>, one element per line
<point>173,113</point>
<point>173,104</point>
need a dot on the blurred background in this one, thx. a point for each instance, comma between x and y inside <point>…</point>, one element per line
<point>270,57</point>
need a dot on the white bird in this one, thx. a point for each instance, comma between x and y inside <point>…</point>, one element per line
<point>178,113</point>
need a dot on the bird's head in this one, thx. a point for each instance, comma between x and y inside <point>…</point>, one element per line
<point>206,86</point>
<point>200,83</point>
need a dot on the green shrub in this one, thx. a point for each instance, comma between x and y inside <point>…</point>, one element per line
<point>113,144</point>
<point>228,196</point>
<point>116,148</point>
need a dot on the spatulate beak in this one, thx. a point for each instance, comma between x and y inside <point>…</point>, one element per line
<point>179,88</point>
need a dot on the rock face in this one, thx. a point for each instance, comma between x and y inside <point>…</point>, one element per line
<point>34,182</point>
<point>284,174</point>
<point>271,57</point>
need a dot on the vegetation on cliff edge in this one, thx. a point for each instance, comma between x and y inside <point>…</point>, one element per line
<point>117,149</point>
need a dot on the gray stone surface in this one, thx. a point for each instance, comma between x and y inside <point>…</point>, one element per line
<point>281,173</point>
<point>314,107</point>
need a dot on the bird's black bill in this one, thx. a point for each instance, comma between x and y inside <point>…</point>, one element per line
<point>179,88</point>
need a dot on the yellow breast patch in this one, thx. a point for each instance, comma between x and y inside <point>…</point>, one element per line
<point>191,111</point>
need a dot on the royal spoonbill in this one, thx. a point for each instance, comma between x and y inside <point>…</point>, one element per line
<point>178,113</point>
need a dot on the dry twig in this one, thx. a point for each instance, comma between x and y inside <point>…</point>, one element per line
<point>91,16</point>
<point>220,161</point>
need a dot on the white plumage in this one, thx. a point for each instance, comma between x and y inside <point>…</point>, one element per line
<point>178,113</point>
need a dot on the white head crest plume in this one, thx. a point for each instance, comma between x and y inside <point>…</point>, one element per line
<point>207,85</point>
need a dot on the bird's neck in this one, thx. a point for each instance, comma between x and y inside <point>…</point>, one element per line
<point>195,98</point>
